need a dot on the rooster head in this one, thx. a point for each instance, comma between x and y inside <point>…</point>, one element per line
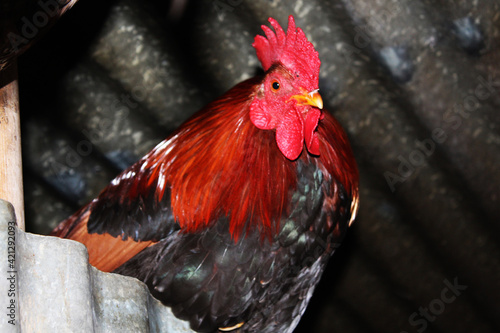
<point>287,100</point>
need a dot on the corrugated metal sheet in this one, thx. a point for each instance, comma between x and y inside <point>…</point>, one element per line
<point>415,83</point>
<point>49,286</point>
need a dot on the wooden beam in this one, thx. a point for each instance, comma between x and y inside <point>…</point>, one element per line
<point>11,174</point>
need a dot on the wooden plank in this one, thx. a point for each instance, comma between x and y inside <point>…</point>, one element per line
<point>11,174</point>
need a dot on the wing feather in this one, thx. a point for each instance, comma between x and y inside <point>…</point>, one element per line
<point>126,217</point>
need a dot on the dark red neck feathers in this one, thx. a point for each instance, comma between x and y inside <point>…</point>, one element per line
<point>337,158</point>
<point>219,163</point>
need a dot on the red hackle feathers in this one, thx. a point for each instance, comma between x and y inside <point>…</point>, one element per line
<point>292,49</point>
<point>220,164</point>
<point>337,158</point>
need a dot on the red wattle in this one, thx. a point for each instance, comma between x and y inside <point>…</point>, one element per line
<point>310,125</point>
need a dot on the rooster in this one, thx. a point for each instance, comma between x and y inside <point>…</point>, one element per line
<point>231,220</point>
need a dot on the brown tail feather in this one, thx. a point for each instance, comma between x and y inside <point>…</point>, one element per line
<point>106,252</point>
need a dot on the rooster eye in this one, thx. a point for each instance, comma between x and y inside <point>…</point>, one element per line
<point>275,85</point>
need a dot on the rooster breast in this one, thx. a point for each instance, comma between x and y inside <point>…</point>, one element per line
<point>214,282</point>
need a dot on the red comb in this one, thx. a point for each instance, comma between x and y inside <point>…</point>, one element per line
<point>291,49</point>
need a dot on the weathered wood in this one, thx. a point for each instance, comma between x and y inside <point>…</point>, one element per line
<point>11,175</point>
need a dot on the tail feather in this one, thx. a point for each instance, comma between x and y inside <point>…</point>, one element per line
<point>106,252</point>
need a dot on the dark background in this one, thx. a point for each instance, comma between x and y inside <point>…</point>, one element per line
<point>415,84</point>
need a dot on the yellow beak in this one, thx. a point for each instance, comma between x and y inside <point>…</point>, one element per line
<point>312,98</point>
